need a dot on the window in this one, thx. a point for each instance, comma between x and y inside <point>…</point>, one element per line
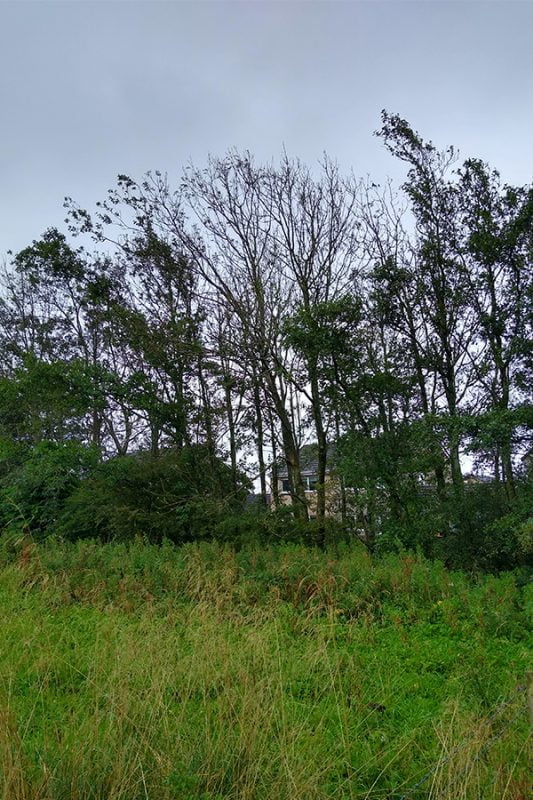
<point>309,482</point>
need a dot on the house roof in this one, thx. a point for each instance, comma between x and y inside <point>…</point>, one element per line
<point>308,460</point>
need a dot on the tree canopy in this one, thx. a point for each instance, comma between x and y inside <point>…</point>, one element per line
<point>206,331</point>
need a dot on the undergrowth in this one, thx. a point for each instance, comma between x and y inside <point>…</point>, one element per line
<point>136,671</point>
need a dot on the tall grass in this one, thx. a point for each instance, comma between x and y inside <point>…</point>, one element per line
<point>141,672</point>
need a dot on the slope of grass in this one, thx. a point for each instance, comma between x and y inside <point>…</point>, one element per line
<point>142,672</point>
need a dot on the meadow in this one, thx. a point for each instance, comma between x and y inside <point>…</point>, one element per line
<point>132,671</point>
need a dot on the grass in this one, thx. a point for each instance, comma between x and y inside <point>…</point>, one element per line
<point>279,673</point>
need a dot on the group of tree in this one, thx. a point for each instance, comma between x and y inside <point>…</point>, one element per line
<point>206,331</point>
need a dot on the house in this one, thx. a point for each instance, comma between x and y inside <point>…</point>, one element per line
<point>309,471</point>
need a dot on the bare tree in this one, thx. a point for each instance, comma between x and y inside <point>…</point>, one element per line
<point>238,256</point>
<point>314,233</point>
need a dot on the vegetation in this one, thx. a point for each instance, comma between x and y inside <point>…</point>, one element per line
<point>164,637</point>
<point>219,326</point>
<point>140,671</point>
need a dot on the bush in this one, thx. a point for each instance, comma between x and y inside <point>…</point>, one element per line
<point>177,495</point>
<point>478,531</point>
<point>35,492</point>
<point>484,531</point>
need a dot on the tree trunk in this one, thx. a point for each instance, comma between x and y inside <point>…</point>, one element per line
<point>507,469</point>
<point>154,438</point>
<point>292,456</point>
<point>344,515</point>
<point>321,456</point>
<point>231,432</point>
<point>260,441</point>
<point>275,488</point>
<point>207,413</point>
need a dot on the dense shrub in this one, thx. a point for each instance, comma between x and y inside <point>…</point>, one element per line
<point>260,525</point>
<point>190,495</point>
<point>178,495</point>
<point>35,491</point>
<point>479,530</point>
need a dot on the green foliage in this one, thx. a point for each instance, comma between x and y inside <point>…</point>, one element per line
<point>474,531</point>
<point>257,307</point>
<point>486,431</point>
<point>264,527</point>
<point>46,400</point>
<point>325,332</point>
<point>50,259</point>
<point>177,495</point>
<point>34,492</point>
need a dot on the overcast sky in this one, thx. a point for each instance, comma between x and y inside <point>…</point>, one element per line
<point>92,89</point>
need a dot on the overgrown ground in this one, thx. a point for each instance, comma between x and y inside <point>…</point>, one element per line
<point>283,673</point>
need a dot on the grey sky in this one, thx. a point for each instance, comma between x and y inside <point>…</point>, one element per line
<point>91,89</point>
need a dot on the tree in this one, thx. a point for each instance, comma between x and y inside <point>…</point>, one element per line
<point>159,315</point>
<point>440,287</point>
<point>497,251</point>
<point>55,310</point>
<point>238,257</point>
<point>315,246</point>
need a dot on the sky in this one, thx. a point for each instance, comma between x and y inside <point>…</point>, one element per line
<point>89,90</point>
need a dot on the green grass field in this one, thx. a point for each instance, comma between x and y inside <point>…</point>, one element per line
<point>142,672</point>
